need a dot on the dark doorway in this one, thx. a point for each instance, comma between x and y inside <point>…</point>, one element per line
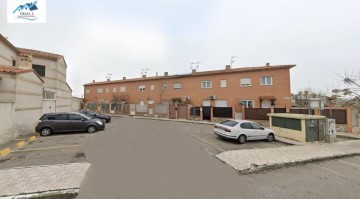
<point>206,112</point>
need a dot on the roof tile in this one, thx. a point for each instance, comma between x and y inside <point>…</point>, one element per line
<point>37,53</point>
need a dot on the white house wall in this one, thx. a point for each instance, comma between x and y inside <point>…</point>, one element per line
<point>7,88</point>
<point>28,109</point>
<point>7,55</point>
<point>6,121</point>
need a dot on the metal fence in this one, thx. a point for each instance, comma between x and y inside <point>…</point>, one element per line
<point>195,111</point>
<point>225,112</point>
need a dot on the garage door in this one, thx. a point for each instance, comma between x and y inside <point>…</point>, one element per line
<point>220,103</point>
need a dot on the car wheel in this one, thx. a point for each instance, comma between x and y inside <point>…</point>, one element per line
<point>91,129</point>
<point>242,139</point>
<point>45,132</point>
<point>270,137</point>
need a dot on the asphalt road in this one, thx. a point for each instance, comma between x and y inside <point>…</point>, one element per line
<point>55,149</point>
<point>136,158</point>
<point>156,159</point>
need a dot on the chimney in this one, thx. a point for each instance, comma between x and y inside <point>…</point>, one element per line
<point>93,81</point>
<point>227,67</point>
<point>124,78</point>
<point>143,76</point>
<point>166,74</point>
<point>156,74</point>
<point>107,80</point>
<point>193,71</point>
<point>267,64</point>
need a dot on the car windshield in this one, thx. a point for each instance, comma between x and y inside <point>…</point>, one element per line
<point>230,123</point>
<point>85,116</point>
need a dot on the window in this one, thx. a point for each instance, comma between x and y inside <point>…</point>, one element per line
<point>99,90</point>
<point>265,81</point>
<point>256,126</point>
<point>107,90</point>
<point>87,91</point>
<point>152,87</point>
<point>245,82</point>
<point>142,88</point>
<point>246,125</point>
<point>61,117</point>
<point>177,86</point>
<point>14,62</point>
<point>114,89</point>
<point>39,69</point>
<point>164,87</point>
<point>248,103</point>
<point>75,117</point>
<point>230,123</point>
<point>48,94</point>
<point>122,89</point>
<point>206,84</point>
<point>223,83</point>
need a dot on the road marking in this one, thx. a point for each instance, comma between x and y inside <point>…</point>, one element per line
<point>349,163</point>
<point>20,144</point>
<point>46,148</point>
<point>337,173</point>
<point>252,146</point>
<point>5,151</point>
<point>222,150</point>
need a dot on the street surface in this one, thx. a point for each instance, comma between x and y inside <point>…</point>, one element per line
<point>138,158</point>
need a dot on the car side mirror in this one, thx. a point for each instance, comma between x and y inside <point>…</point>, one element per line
<point>83,120</point>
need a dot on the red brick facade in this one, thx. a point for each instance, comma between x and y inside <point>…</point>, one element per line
<point>277,78</point>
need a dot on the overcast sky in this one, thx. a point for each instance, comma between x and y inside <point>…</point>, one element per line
<point>322,37</point>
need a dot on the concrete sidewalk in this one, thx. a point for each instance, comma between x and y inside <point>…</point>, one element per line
<point>40,181</point>
<point>247,161</point>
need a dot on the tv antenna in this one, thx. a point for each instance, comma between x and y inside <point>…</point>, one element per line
<point>194,65</point>
<point>144,71</point>
<point>232,60</point>
<point>108,76</point>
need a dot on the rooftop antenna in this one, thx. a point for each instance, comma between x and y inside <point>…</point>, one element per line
<point>108,76</point>
<point>194,65</point>
<point>144,71</point>
<point>232,60</point>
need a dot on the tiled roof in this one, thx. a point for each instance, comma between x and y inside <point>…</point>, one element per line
<point>14,70</point>
<point>37,53</point>
<point>203,73</point>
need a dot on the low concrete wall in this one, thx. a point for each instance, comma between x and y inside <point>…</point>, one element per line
<point>6,121</point>
<point>76,103</point>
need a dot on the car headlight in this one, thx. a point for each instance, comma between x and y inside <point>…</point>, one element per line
<point>100,123</point>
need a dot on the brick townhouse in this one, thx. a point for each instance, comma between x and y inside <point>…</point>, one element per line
<point>253,87</point>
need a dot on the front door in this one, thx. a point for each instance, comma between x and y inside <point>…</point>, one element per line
<point>48,106</point>
<point>206,112</point>
<point>112,108</point>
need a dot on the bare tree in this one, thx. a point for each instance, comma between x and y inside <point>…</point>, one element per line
<point>350,92</point>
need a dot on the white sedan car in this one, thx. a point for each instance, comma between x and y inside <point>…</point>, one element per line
<point>243,130</point>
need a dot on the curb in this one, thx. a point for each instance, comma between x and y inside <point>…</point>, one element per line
<point>163,119</point>
<point>5,152</point>
<point>20,144</point>
<point>258,168</point>
<point>347,137</point>
<point>64,194</point>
